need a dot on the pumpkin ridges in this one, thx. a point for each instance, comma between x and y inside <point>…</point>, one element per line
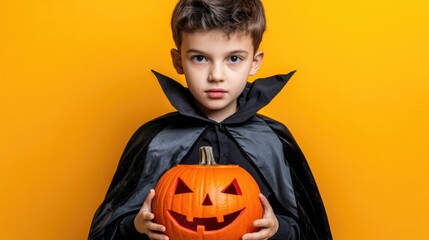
<point>190,174</point>
<point>164,191</point>
<point>221,176</point>
<point>159,191</point>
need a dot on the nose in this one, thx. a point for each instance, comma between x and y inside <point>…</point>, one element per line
<point>216,73</point>
<point>207,201</point>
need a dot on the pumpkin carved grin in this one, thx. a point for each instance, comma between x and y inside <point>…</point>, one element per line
<point>209,223</point>
<point>207,201</point>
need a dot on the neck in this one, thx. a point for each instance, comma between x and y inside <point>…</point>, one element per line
<point>216,118</point>
<point>218,115</point>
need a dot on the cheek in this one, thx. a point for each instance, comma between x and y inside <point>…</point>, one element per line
<point>192,80</point>
<point>239,85</point>
<point>195,88</point>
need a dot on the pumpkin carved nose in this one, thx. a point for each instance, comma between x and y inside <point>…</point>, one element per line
<point>207,201</point>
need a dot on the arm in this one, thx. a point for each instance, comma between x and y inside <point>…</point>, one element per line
<point>313,220</point>
<point>289,226</point>
<point>129,186</point>
<point>140,226</point>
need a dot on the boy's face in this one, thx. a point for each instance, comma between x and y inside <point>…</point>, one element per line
<point>216,68</point>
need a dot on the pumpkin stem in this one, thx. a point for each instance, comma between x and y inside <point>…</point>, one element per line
<point>206,156</point>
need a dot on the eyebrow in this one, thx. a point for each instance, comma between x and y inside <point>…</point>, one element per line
<point>192,50</point>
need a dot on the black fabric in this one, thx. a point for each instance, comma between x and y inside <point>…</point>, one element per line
<point>150,153</point>
<point>226,151</point>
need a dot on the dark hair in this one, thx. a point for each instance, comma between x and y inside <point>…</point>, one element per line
<point>229,16</point>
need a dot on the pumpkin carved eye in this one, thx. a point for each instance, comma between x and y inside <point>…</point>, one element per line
<point>207,201</point>
<point>233,188</point>
<point>181,187</point>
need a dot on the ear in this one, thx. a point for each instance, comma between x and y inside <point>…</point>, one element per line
<point>257,61</point>
<point>177,60</point>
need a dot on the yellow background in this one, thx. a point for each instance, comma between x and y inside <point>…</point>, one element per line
<point>76,83</point>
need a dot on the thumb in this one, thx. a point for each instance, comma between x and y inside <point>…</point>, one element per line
<point>147,204</point>
<point>266,205</point>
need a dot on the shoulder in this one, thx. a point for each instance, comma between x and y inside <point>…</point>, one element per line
<point>281,130</point>
<point>275,125</point>
<point>147,131</point>
<point>157,124</point>
<point>173,120</point>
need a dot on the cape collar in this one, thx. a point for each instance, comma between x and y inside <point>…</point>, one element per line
<point>255,96</point>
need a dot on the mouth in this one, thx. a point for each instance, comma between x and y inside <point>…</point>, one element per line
<point>216,93</point>
<point>209,224</point>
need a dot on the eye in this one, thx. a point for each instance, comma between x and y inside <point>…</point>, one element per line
<point>199,59</point>
<point>181,187</point>
<point>234,59</point>
<point>233,188</point>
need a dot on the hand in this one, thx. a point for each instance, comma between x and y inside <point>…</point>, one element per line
<point>143,220</point>
<point>268,224</point>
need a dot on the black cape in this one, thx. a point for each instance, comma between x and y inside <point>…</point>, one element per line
<point>161,144</point>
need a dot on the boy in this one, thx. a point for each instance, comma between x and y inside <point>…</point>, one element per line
<point>217,49</point>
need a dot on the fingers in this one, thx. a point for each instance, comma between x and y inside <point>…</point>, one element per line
<point>155,231</point>
<point>268,225</point>
<point>147,216</point>
<point>143,223</point>
<point>260,235</point>
<point>143,220</point>
<point>150,226</point>
<point>157,236</point>
<point>264,223</point>
<point>267,229</point>
<point>155,228</point>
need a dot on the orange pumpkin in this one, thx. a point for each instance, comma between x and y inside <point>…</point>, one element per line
<point>207,201</point>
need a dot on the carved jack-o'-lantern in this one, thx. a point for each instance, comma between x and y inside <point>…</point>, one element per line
<point>207,201</point>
